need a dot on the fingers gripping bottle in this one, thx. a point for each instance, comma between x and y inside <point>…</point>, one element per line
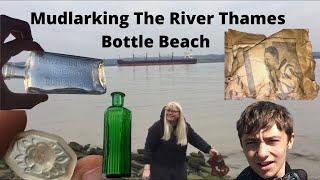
<point>117,139</point>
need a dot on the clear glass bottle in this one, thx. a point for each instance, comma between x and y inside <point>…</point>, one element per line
<point>54,73</point>
<point>117,139</point>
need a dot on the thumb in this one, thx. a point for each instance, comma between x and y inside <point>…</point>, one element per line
<point>93,174</point>
<point>88,167</point>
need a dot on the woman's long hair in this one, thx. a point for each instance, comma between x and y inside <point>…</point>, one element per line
<point>181,130</point>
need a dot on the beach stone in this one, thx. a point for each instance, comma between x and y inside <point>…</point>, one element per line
<point>140,151</point>
<point>95,151</point>
<point>76,146</point>
<point>203,174</point>
<point>137,164</point>
<point>6,174</point>
<point>206,169</point>
<point>199,154</point>
<point>138,157</point>
<point>196,162</point>
<point>3,164</point>
<point>140,173</point>
<point>194,177</point>
<point>86,147</point>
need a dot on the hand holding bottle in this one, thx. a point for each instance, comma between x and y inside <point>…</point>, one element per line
<point>23,41</point>
<point>14,121</point>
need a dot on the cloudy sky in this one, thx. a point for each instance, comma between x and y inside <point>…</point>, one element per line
<point>85,40</point>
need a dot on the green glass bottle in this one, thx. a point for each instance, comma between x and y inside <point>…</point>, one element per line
<point>117,139</point>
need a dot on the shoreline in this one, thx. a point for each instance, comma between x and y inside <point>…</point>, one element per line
<point>198,168</point>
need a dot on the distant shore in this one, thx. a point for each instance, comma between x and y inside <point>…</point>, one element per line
<point>209,58</point>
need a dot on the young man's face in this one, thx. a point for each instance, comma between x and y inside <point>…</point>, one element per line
<point>271,61</point>
<point>266,151</point>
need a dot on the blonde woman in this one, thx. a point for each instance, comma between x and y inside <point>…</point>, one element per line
<point>166,145</point>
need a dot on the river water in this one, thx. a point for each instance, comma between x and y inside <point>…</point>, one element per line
<point>198,88</point>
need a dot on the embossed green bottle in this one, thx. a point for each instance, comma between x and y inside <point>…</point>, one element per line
<point>117,139</point>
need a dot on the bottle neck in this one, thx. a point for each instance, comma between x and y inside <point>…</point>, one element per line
<point>13,70</point>
<point>117,99</point>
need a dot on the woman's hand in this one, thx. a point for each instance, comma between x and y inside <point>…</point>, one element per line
<point>218,166</point>
<point>146,172</point>
<point>213,152</point>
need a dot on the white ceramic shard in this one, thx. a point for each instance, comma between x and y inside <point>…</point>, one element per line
<point>35,155</point>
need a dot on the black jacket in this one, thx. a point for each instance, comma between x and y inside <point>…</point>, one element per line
<point>290,174</point>
<point>169,153</point>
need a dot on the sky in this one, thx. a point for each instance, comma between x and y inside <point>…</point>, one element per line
<point>86,40</point>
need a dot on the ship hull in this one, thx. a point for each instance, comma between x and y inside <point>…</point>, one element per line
<point>156,62</point>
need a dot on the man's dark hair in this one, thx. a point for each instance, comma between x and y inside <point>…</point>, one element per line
<point>273,51</point>
<point>263,115</point>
